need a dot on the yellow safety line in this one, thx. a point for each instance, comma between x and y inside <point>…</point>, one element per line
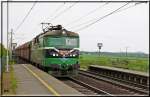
<point>42,81</point>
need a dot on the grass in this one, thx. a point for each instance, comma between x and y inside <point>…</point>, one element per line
<point>9,80</point>
<point>3,49</point>
<point>13,79</point>
<point>132,63</point>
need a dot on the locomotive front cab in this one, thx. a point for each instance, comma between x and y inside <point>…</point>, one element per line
<point>62,54</point>
<point>62,59</point>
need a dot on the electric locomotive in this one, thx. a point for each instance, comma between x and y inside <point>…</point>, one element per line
<point>56,51</point>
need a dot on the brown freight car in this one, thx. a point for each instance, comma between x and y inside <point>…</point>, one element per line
<point>23,51</point>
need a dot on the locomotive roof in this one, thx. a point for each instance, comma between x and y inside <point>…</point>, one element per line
<point>62,32</point>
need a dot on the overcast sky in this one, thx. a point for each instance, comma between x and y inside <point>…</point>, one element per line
<point>127,28</point>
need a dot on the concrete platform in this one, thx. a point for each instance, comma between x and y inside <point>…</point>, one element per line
<point>122,70</point>
<point>33,81</point>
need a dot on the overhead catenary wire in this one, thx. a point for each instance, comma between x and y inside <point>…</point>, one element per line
<point>99,19</point>
<point>129,7</point>
<point>102,17</point>
<point>26,16</point>
<point>57,9</point>
<point>87,14</point>
<point>78,25</point>
<point>65,10</point>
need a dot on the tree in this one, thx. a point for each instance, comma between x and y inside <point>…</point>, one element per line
<point>2,49</point>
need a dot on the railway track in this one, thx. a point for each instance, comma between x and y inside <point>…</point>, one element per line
<point>83,87</point>
<point>133,89</point>
<point>90,84</point>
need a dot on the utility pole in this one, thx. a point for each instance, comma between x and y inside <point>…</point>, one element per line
<point>120,52</point>
<point>126,50</point>
<point>7,70</point>
<point>11,41</point>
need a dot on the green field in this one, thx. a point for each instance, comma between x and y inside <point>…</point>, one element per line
<point>132,63</point>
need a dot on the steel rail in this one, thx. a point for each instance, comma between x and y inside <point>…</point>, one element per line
<point>117,79</point>
<point>135,89</point>
<point>99,91</point>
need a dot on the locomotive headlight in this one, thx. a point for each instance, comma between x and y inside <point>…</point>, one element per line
<point>73,55</point>
<point>54,54</point>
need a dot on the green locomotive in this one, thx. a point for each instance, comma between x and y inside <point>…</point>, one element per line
<point>56,51</point>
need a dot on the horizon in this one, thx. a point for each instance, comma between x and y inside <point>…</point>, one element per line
<point>116,52</point>
<point>107,51</point>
